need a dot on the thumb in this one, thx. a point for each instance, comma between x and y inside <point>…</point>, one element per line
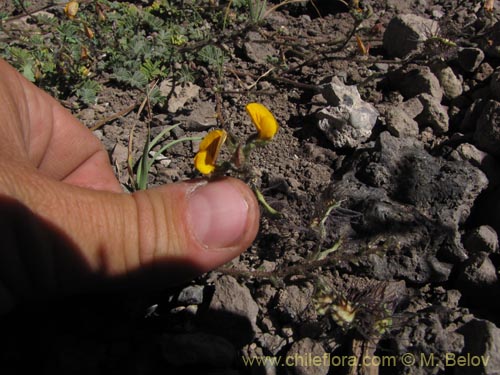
<point>59,238</point>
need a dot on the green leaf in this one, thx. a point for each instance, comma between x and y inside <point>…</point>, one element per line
<point>146,162</point>
<point>137,79</point>
<point>87,92</point>
<point>28,72</point>
<point>153,70</point>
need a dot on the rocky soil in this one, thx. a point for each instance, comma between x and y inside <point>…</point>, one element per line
<point>386,174</point>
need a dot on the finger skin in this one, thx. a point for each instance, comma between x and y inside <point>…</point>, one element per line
<point>38,132</point>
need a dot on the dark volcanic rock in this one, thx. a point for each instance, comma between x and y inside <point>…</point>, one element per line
<point>414,80</point>
<point>440,189</point>
<point>487,134</point>
<point>233,308</point>
<point>304,350</point>
<point>190,349</point>
<point>400,124</point>
<point>470,58</point>
<point>433,115</point>
<point>405,33</point>
<point>482,339</point>
<point>414,203</point>
<point>478,275</point>
<point>483,238</point>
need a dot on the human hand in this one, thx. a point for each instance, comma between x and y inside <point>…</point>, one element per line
<point>66,226</point>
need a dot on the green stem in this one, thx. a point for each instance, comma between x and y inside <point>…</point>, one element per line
<point>262,200</point>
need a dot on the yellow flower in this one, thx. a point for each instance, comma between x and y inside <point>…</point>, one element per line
<point>205,159</point>
<point>85,72</point>
<point>71,9</point>
<point>263,119</point>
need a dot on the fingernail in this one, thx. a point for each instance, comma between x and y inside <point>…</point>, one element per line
<point>217,214</point>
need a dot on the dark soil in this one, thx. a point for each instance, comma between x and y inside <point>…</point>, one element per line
<point>413,264</point>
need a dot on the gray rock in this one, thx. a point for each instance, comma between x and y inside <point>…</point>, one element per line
<point>420,331</point>
<point>488,208</point>
<point>471,153</point>
<point>335,123</point>
<point>178,95</point>
<point>382,67</point>
<point>483,238</point>
<point>400,124</point>
<point>257,50</point>
<point>495,84</point>
<point>399,6</point>
<point>473,112</point>
<point>294,301</point>
<point>452,87</point>
<point>470,58</point>
<point>348,121</point>
<point>491,44</point>
<point>412,107</point>
<point>415,80</point>
<point>482,342</point>
<point>120,154</point>
<point>309,358</point>
<point>201,117</point>
<point>433,115</point>
<point>477,275</point>
<point>191,295</point>
<point>338,93</point>
<point>86,115</point>
<point>265,293</point>
<point>484,161</point>
<point>487,134</point>
<point>233,308</point>
<point>191,349</point>
<point>484,72</point>
<point>405,33</point>
<point>437,13</point>
<point>271,342</point>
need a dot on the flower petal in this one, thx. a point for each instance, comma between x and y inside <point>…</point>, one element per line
<point>263,119</point>
<point>218,136</point>
<point>200,163</point>
<point>206,158</point>
<point>71,9</point>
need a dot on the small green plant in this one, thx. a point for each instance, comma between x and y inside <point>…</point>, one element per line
<point>215,58</point>
<point>87,91</point>
<point>257,10</point>
<point>149,156</point>
<point>365,307</point>
<point>65,54</point>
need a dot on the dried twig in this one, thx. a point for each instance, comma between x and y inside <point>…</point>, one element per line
<point>302,268</point>
<point>113,117</point>
<point>273,78</point>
